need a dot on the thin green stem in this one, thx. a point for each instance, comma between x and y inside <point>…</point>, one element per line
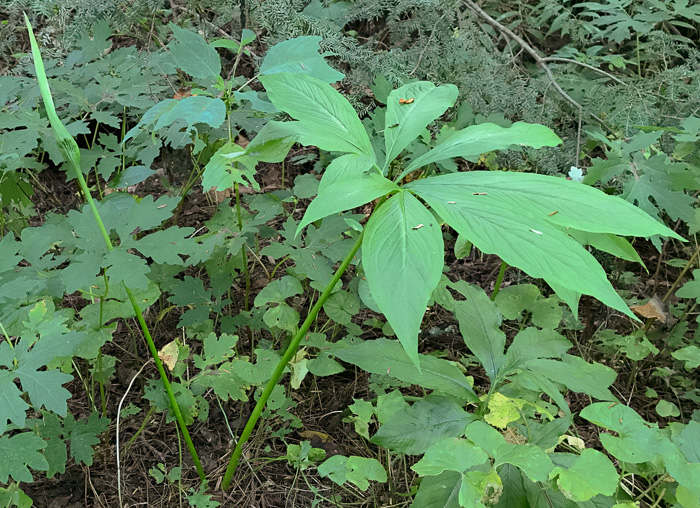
<point>286,358</point>
<point>71,153</point>
<point>166,384</point>
<point>499,280</point>
<point>244,257</point>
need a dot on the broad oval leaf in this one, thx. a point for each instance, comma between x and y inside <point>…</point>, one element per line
<point>193,110</point>
<point>430,420</point>
<point>405,121</point>
<point>522,218</point>
<point>345,167</point>
<point>402,255</point>
<point>383,356</point>
<point>480,326</point>
<point>193,55</point>
<point>345,195</point>
<point>300,56</point>
<point>327,118</point>
<point>486,137</point>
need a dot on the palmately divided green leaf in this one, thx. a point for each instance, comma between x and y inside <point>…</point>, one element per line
<point>18,453</point>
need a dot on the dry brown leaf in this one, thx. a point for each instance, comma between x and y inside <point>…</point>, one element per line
<point>654,308</point>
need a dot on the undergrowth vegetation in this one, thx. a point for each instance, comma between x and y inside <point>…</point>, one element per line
<point>377,253</point>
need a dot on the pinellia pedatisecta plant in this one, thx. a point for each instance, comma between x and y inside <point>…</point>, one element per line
<point>530,221</point>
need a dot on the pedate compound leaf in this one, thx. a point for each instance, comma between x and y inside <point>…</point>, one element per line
<point>84,435</point>
<point>417,428</point>
<point>383,356</point>
<point>345,195</point>
<point>522,218</point>
<point>300,56</point>
<point>402,254</point>
<point>18,453</point>
<point>471,142</point>
<point>326,118</point>
<point>193,55</point>
<point>429,102</point>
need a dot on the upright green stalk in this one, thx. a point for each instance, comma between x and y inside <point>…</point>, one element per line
<point>71,153</point>
<point>279,370</point>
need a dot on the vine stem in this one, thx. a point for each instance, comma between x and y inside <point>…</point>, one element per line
<point>71,153</point>
<point>286,358</point>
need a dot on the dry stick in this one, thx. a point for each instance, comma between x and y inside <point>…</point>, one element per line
<point>286,358</point>
<point>542,63</point>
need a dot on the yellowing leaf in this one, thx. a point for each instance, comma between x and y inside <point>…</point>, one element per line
<point>168,355</point>
<point>503,410</point>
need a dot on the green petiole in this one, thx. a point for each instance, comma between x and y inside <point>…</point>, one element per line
<point>71,153</point>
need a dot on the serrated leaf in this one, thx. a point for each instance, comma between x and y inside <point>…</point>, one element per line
<point>84,436</point>
<point>12,407</point>
<point>18,453</point>
<point>386,357</point>
<point>415,429</point>
<point>326,118</point>
<point>193,55</point>
<point>300,56</point>
<point>409,120</point>
<point>163,246</point>
<point>402,253</point>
